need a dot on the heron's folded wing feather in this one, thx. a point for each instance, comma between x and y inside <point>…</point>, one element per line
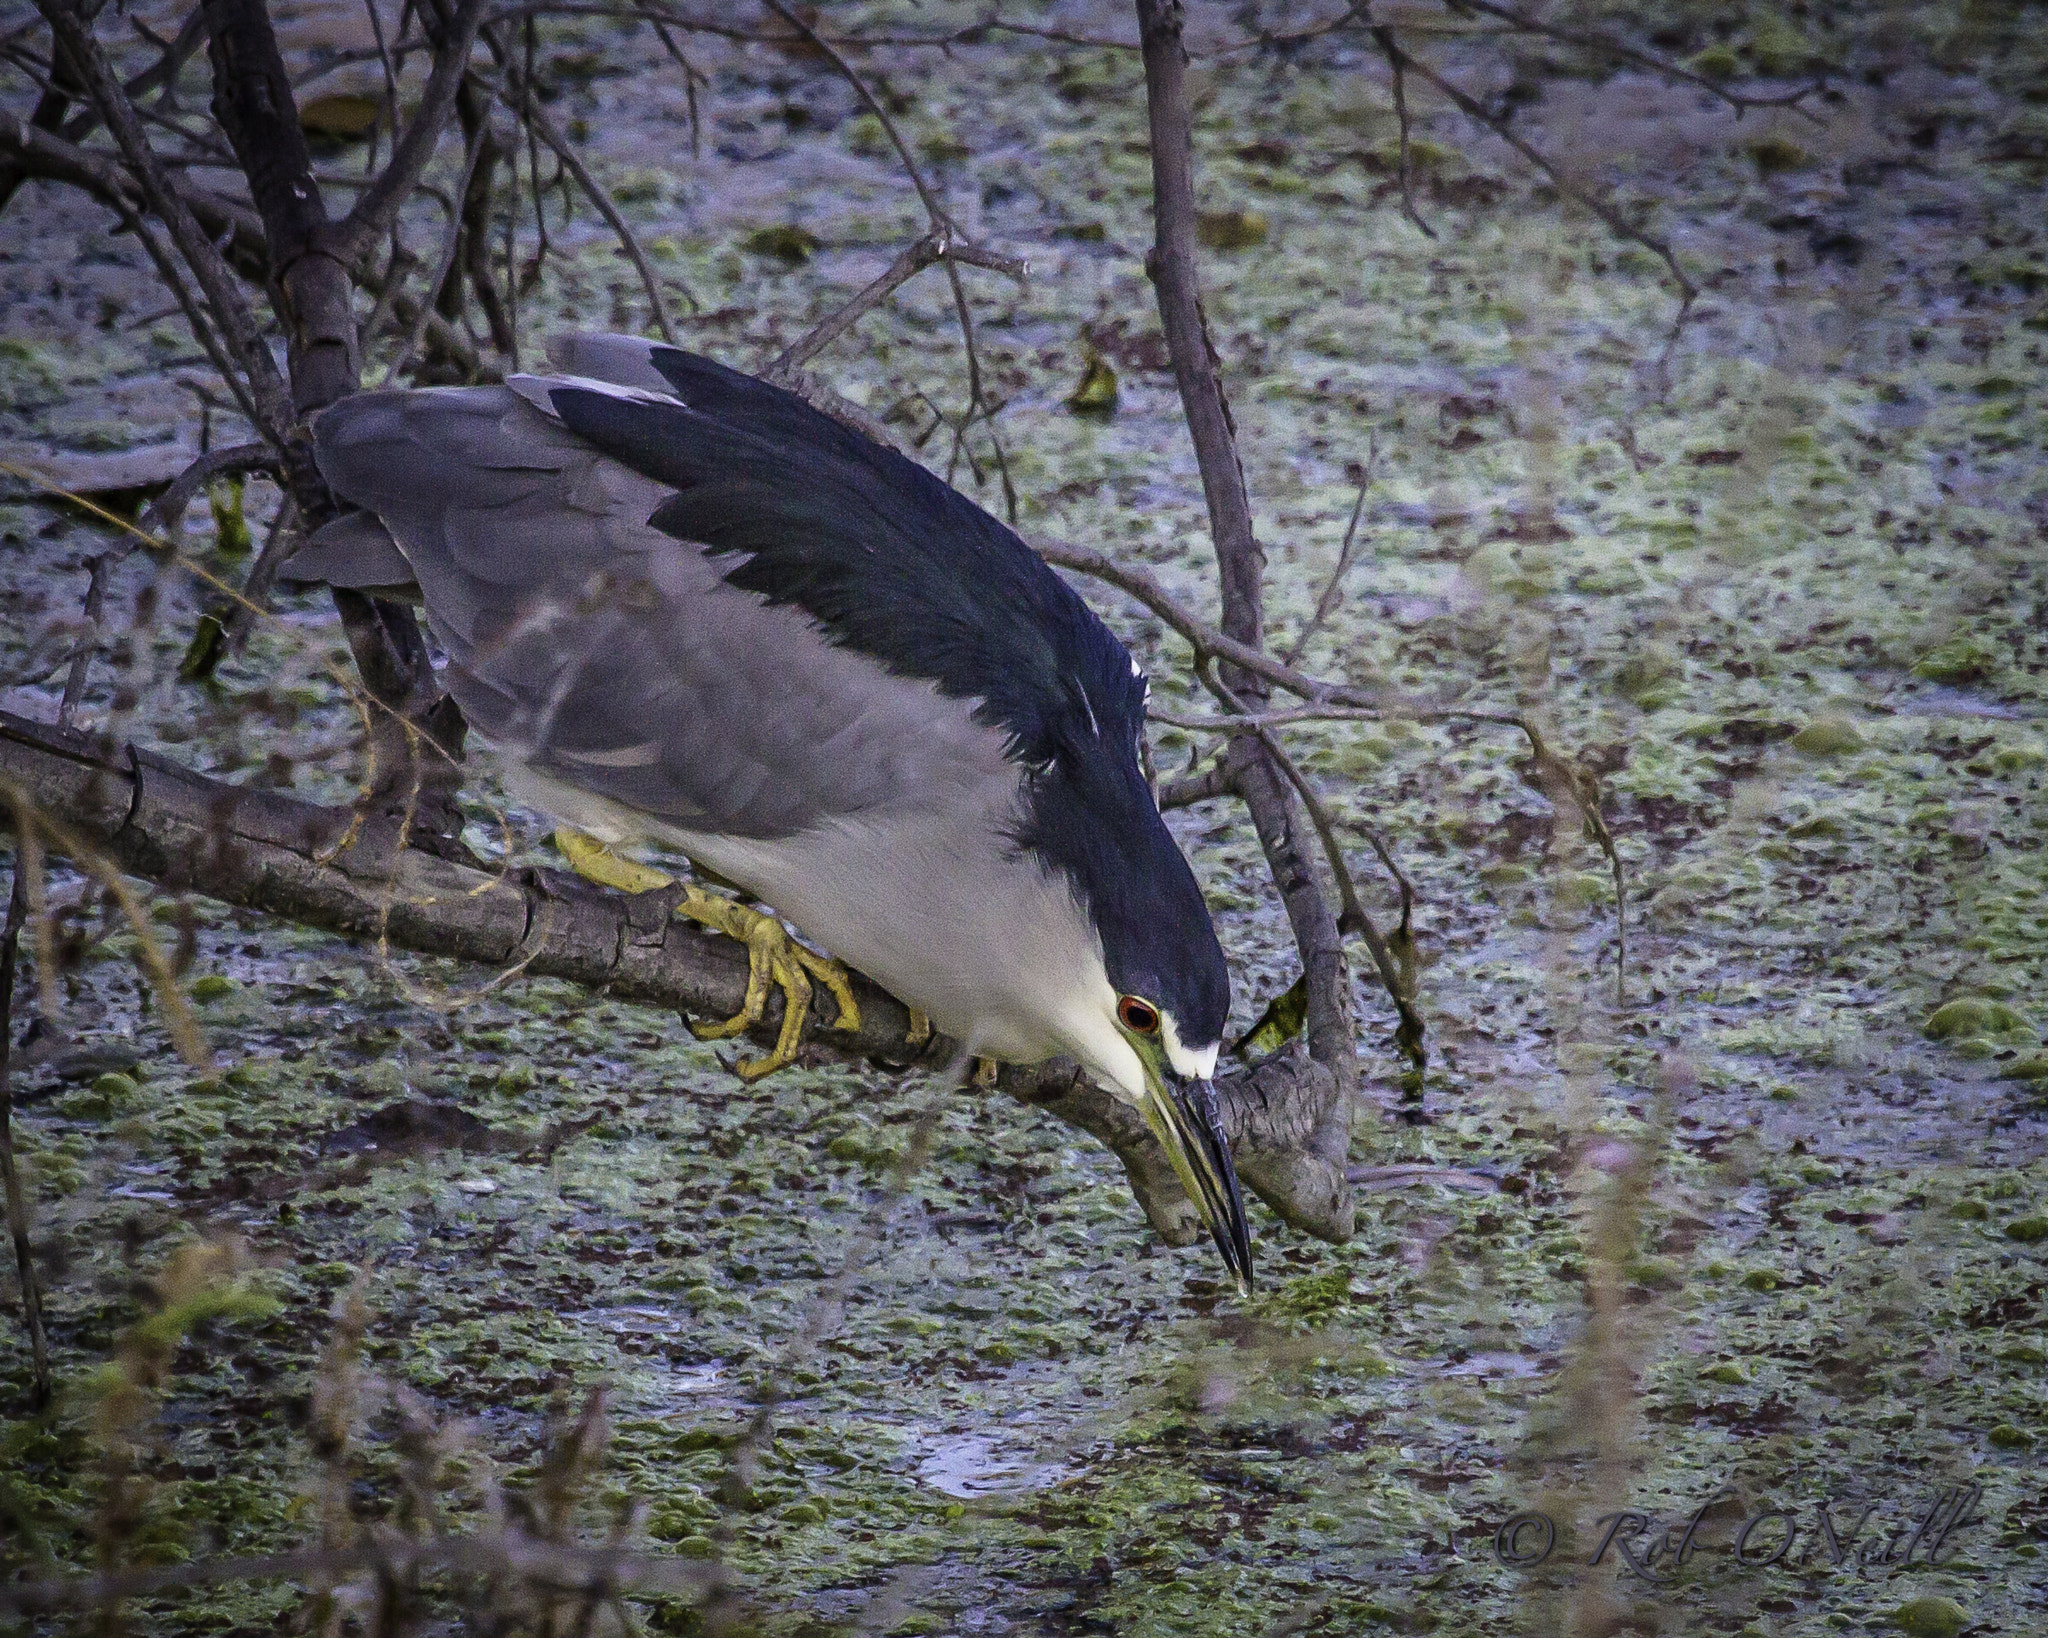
<point>616,658</point>
<point>355,551</point>
<point>886,558</point>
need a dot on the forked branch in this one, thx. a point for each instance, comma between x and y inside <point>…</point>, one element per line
<point>1240,565</point>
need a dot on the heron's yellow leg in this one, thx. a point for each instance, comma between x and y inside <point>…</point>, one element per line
<point>773,957</point>
<point>920,1030</point>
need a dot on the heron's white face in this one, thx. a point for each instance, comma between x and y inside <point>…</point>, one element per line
<point>1114,1035</point>
<point>1134,1049</point>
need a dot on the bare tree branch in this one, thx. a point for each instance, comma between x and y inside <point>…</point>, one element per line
<point>351,873</point>
<point>233,227</point>
<point>515,90</point>
<point>1397,63</point>
<point>451,246</point>
<point>1211,782</point>
<point>163,513</point>
<point>978,405</point>
<point>1240,563</point>
<point>374,212</point>
<point>252,101</point>
<point>10,1171</point>
<point>1138,582</point>
<point>939,245</point>
<point>267,391</point>
<point>1608,45</point>
<point>1618,224</point>
<point>1398,979</point>
<point>50,108</point>
<point>1333,589</point>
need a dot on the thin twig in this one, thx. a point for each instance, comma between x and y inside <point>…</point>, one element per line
<point>390,83</point>
<point>1240,561</point>
<point>239,618</point>
<point>977,399</point>
<point>451,244</point>
<point>516,92</point>
<point>690,78</point>
<point>269,400</point>
<point>396,271</point>
<point>373,213</point>
<point>1473,109</point>
<point>10,1171</point>
<point>966,35</point>
<point>34,831</point>
<point>1333,592</point>
<point>1622,51</point>
<point>1138,582</point>
<point>81,662</point>
<point>1397,977</point>
<point>1252,721</point>
<point>978,406</point>
<point>941,244</point>
<point>1394,61</point>
<point>204,330</point>
<point>1578,787</point>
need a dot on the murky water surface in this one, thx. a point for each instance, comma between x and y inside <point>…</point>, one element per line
<point>1778,578</point>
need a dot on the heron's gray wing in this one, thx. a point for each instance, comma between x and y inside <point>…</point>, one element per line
<point>355,551</point>
<point>614,657</point>
<point>625,361</point>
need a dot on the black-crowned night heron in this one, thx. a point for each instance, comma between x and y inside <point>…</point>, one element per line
<point>684,607</point>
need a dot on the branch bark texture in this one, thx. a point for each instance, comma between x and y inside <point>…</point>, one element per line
<point>352,874</point>
<point>1241,566</point>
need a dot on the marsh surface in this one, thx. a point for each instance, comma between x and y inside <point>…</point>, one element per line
<point>1778,575</point>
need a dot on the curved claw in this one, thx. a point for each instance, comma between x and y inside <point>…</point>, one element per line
<point>773,956</point>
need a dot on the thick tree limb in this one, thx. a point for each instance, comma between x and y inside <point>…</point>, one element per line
<point>1240,561</point>
<point>336,869</point>
<point>313,292</point>
<point>253,102</point>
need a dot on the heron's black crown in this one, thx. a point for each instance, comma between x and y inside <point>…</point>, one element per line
<point>899,566</point>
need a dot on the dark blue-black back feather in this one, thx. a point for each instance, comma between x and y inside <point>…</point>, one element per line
<point>897,565</point>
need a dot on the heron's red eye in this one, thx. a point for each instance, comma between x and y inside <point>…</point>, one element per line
<point>1139,1017</point>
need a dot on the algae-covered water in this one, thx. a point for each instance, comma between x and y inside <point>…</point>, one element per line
<point>1766,1235</point>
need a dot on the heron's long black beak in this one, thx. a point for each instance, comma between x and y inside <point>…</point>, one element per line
<point>1183,1116</point>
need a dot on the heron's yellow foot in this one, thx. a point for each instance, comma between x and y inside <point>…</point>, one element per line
<point>772,955</point>
<point>595,862</point>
